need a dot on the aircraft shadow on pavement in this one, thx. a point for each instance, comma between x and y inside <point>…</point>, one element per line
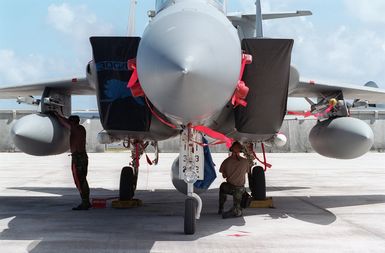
<point>50,220</point>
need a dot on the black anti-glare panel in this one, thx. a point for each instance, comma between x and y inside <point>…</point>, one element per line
<point>118,109</point>
<point>268,80</point>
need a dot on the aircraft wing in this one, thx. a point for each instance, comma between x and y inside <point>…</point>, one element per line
<point>77,86</point>
<point>268,16</point>
<point>312,89</point>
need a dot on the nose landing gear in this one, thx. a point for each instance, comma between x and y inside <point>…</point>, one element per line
<point>191,169</point>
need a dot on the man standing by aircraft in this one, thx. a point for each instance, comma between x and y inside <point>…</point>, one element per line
<point>234,170</point>
<point>79,158</point>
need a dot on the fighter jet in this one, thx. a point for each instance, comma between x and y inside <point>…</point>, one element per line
<point>194,72</point>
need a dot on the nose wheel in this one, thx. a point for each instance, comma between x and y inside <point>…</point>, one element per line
<point>190,216</point>
<point>190,170</point>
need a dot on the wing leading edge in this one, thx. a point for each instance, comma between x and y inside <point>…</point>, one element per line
<point>76,86</point>
<point>312,89</point>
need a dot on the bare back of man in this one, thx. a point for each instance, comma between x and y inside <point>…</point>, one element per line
<point>79,158</point>
<point>78,139</point>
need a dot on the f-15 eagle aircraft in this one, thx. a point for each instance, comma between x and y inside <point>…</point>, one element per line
<point>195,71</point>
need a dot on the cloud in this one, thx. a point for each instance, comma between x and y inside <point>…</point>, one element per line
<point>18,69</point>
<point>77,23</point>
<point>15,69</point>
<point>76,20</point>
<point>61,17</point>
<point>345,53</point>
<point>248,6</point>
<point>343,56</point>
<point>367,11</point>
<point>74,25</point>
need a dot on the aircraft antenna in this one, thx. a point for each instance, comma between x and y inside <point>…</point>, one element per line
<point>131,18</point>
<point>258,20</point>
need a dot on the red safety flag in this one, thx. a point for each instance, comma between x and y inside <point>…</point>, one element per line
<point>133,83</point>
<point>241,91</point>
<point>215,135</point>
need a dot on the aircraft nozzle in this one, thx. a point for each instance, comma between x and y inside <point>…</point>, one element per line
<point>188,62</point>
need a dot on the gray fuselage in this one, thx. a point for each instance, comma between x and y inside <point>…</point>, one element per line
<point>189,60</point>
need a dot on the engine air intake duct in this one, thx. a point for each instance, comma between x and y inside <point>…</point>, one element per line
<point>267,78</point>
<point>118,109</point>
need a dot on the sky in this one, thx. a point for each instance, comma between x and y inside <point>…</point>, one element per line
<point>343,42</point>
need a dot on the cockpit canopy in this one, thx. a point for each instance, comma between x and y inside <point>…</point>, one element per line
<point>162,4</point>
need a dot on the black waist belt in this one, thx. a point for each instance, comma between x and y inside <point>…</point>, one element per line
<point>79,154</point>
<point>236,186</point>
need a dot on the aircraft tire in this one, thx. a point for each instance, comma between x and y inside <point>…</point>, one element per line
<point>127,184</point>
<point>257,183</point>
<point>189,216</point>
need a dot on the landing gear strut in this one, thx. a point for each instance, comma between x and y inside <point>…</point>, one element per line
<point>129,174</point>
<point>190,170</point>
<point>257,181</point>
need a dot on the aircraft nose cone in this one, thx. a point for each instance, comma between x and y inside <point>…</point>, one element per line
<point>188,64</point>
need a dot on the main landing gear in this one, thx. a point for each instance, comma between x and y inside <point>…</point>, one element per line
<point>129,174</point>
<point>128,181</point>
<point>257,183</point>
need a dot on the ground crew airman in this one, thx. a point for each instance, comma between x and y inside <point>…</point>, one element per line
<point>234,170</point>
<point>79,164</point>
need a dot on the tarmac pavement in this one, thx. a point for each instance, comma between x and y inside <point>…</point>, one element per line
<point>321,205</point>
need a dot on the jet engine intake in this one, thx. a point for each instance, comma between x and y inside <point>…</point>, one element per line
<point>40,135</point>
<point>341,138</point>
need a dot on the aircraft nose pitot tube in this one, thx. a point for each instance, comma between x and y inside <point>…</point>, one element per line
<point>341,138</point>
<point>189,61</point>
<point>40,135</point>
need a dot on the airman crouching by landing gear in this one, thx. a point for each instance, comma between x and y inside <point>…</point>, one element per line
<point>234,170</point>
